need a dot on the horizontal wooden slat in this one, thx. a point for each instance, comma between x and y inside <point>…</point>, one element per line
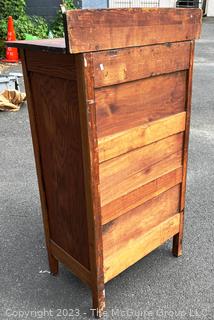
<point>139,196</point>
<point>133,169</point>
<point>52,64</point>
<point>125,141</point>
<point>123,65</point>
<point>142,177</point>
<point>138,247</point>
<point>140,220</point>
<point>127,105</point>
<point>94,30</point>
<point>77,268</point>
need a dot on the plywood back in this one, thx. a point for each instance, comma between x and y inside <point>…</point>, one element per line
<point>95,30</point>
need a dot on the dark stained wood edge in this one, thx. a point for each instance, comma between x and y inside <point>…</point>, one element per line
<point>178,238</point>
<point>53,263</point>
<point>85,78</point>
<point>77,268</point>
<point>187,129</point>
<point>46,45</point>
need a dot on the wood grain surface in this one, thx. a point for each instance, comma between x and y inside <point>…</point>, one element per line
<point>85,76</point>
<point>129,64</point>
<point>59,137</point>
<point>140,195</point>
<point>52,64</point>
<point>53,262</point>
<point>128,140</point>
<point>139,246</point>
<point>131,104</point>
<point>94,30</point>
<point>110,127</point>
<point>178,238</point>
<point>134,169</point>
<point>70,262</point>
<point>140,220</point>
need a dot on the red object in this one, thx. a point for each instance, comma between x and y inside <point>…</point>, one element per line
<point>11,53</point>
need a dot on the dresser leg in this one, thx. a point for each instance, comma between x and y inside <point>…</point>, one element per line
<point>177,245</point>
<point>98,302</point>
<point>53,264</point>
<point>178,239</point>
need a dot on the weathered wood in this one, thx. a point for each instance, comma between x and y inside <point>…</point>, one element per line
<point>45,45</point>
<point>53,263</point>
<point>56,123</point>
<point>129,64</point>
<point>187,129</point>
<point>52,64</point>
<point>91,172</point>
<point>94,30</point>
<point>139,246</point>
<point>128,140</point>
<point>78,269</point>
<point>131,104</point>
<point>177,240</point>
<point>146,175</point>
<point>110,132</point>
<point>140,220</point>
<point>130,171</point>
<point>139,196</point>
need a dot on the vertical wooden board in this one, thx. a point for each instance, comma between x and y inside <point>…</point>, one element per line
<point>61,158</point>
<point>177,240</point>
<point>85,80</point>
<point>94,30</point>
<point>131,104</point>
<point>187,128</point>
<point>53,263</point>
<point>129,64</point>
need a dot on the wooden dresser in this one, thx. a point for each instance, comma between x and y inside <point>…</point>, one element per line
<point>109,110</point>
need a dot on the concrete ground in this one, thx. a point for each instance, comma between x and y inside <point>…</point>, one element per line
<point>157,287</point>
